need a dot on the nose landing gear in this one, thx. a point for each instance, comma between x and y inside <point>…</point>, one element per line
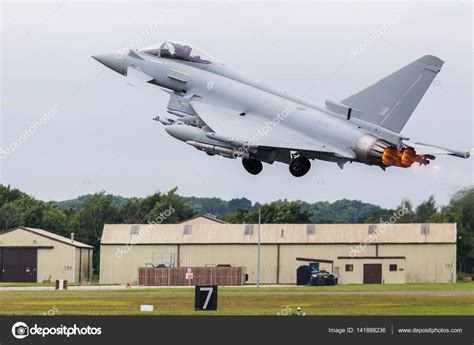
<point>299,166</point>
<point>253,166</point>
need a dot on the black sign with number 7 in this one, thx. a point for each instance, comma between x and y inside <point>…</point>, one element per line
<point>205,297</point>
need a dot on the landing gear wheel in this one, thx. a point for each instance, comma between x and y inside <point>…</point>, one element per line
<point>299,166</point>
<point>253,166</point>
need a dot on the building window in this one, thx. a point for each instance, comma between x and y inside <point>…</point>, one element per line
<point>310,229</point>
<point>134,229</point>
<point>349,268</point>
<point>248,229</point>
<point>392,268</point>
<point>372,229</point>
<point>425,229</point>
<point>188,229</point>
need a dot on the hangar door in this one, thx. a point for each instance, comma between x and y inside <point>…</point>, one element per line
<point>372,273</point>
<point>18,264</point>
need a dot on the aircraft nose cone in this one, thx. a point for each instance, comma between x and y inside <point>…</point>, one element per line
<point>113,62</point>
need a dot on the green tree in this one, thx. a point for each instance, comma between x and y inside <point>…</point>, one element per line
<point>96,211</point>
<point>171,208</point>
<point>7,194</point>
<point>60,222</point>
<point>23,211</point>
<point>425,210</point>
<point>461,208</point>
<point>136,211</point>
<point>407,216</point>
<point>276,212</point>
<point>240,216</point>
<point>217,207</point>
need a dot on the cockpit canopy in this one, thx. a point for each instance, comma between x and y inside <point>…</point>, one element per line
<point>179,51</point>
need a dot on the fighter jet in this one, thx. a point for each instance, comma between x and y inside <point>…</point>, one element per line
<point>219,111</point>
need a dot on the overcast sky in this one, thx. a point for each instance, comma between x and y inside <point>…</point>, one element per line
<point>99,134</point>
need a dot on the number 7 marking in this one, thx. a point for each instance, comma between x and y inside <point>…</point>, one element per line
<point>210,290</point>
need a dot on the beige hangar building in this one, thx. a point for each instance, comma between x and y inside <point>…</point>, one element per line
<point>355,253</point>
<point>36,255</point>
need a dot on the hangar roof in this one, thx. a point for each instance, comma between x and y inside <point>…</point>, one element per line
<point>49,235</point>
<point>216,233</point>
<point>202,219</point>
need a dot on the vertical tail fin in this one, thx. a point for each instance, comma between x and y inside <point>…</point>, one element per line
<point>391,101</point>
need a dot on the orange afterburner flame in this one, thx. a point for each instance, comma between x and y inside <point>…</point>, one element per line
<point>404,158</point>
<point>408,157</point>
<point>389,156</point>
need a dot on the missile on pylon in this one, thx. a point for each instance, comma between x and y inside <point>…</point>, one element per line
<point>165,122</point>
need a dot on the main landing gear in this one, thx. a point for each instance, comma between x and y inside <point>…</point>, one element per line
<point>253,166</point>
<point>299,166</point>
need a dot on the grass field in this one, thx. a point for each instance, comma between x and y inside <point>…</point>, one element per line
<point>245,301</point>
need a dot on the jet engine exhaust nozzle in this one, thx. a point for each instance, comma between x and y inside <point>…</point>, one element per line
<point>376,151</point>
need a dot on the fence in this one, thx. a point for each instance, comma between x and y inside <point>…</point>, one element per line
<point>176,276</point>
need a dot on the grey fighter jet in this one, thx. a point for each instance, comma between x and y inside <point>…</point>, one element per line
<point>221,112</point>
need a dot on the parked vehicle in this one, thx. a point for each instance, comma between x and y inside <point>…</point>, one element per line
<point>322,278</point>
